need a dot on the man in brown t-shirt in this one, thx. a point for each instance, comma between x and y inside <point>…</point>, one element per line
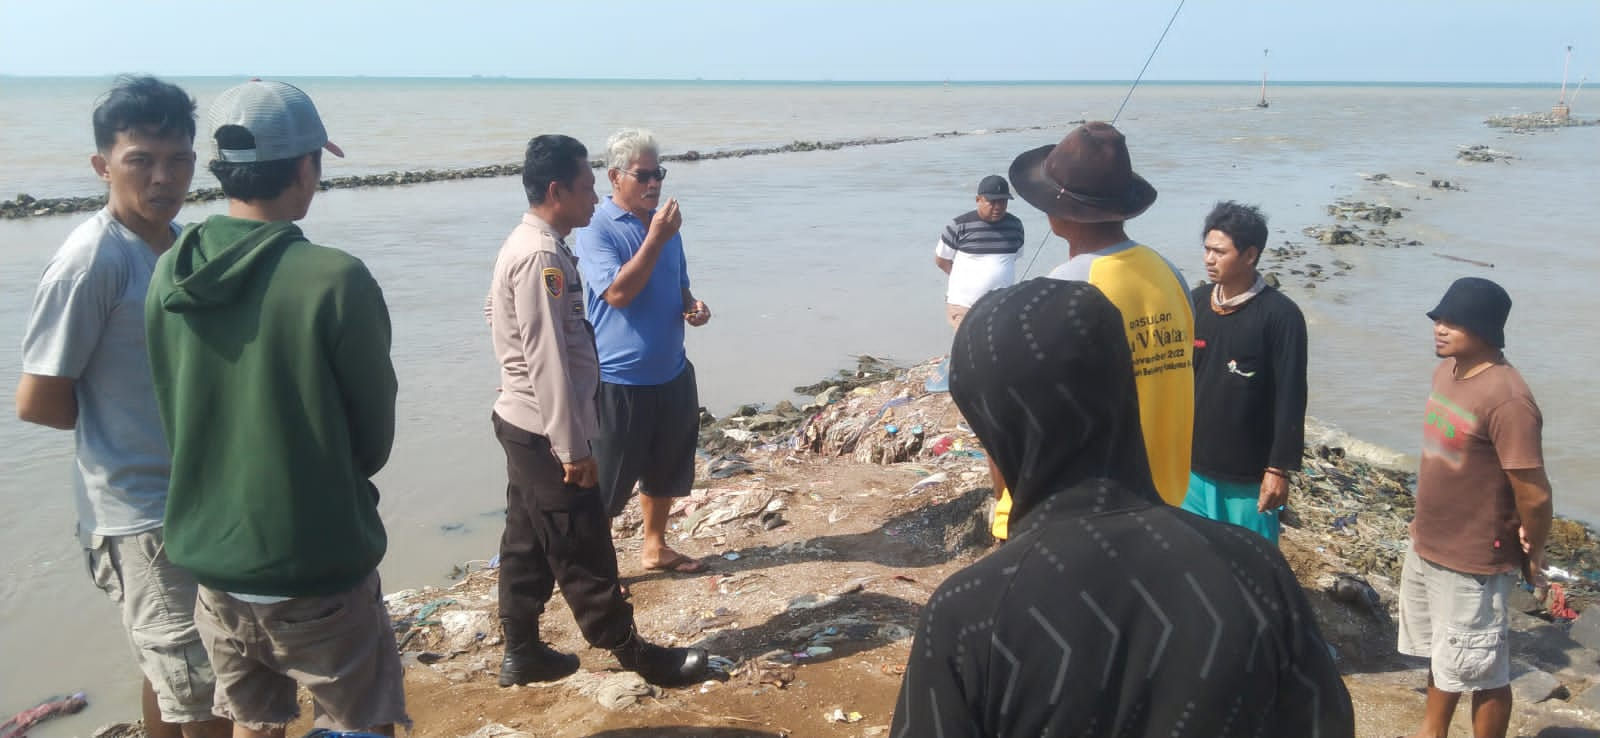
<point>1483,512</point>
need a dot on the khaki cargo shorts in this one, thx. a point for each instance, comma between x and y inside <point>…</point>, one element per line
<point>157,601</point>
<point>1459,622</point>
<point>341,648</point>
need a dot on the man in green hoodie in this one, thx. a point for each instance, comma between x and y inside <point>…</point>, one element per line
<point>270,356</point>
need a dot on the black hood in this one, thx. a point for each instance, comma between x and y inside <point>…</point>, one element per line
<point>1043,374</point>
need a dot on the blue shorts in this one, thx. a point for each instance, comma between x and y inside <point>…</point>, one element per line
<point>1231,502</point>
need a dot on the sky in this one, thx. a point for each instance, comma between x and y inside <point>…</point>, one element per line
<point>1508,41</point>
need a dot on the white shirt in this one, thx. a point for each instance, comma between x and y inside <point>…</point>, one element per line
<point>973,275</point>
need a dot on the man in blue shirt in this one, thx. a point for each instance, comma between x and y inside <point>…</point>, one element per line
<point>636,282</point>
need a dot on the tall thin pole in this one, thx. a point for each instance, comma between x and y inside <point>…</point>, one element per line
<point>1564,67</point>
<point>1263,77</point>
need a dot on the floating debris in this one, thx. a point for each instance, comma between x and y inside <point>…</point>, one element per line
<point>1482,154</point>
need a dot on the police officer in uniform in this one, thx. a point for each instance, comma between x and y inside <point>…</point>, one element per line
<point>545,417</point>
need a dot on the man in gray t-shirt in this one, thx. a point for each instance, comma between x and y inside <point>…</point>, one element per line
<point>84,368</point>
<point>87,328</point>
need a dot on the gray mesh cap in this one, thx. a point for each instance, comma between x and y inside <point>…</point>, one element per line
<point>282,120</point>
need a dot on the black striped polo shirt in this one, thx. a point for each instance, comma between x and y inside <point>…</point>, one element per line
<point>971,234</point>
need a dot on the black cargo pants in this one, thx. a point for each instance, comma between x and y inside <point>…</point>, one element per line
<point>556,533</point>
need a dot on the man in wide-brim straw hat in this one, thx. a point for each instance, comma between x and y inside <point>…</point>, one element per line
<point>1087,187</point>
<point>1087,178</point>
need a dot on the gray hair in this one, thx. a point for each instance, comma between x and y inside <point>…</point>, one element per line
<point>626,146</point>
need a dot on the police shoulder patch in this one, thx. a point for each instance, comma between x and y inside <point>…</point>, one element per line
<point>554,281</point>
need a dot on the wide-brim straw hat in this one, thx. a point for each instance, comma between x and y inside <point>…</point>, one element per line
<point>1087,178</point>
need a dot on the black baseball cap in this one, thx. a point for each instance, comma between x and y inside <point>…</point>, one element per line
<point>994,187</point>
<point>1477,305</point>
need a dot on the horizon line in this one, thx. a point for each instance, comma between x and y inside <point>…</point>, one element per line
<point>825,81</point>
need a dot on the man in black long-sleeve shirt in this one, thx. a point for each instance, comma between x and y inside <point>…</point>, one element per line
<point>1250,380</point>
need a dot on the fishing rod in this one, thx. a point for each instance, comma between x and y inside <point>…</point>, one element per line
<point>1040,248</point>
<point>1147,61</point>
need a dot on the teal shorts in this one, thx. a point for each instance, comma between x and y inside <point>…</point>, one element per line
<point>1231,502</point>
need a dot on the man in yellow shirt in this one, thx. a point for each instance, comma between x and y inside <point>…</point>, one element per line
<point>1087,187</point>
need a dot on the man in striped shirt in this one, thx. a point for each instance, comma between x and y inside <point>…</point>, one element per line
<point>979,249</point>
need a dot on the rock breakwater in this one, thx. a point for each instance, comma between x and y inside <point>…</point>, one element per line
<point>1530,122</point>
<point>27,206</point>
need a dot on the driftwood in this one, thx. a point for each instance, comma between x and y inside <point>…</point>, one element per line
<point>1464,260</point>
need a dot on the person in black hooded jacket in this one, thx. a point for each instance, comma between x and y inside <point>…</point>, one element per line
<point>1107,613</point>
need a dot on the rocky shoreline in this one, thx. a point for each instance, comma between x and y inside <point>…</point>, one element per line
<point>28,206</point>
<point>1336,489</point>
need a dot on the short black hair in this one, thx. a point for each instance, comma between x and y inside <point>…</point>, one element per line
<point>551,158</point>
<point>145,103</point>
<point>256,180</point>
<point>1243,223</point>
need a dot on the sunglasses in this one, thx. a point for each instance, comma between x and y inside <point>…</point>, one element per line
<point>658,174</point>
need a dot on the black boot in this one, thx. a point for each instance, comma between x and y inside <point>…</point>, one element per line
<point>663,667</point>
<point>529,659</point>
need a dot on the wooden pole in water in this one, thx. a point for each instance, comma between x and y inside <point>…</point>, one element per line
<point>1562,111</point>
<point>1263,102</point>
<point>1564,67</point>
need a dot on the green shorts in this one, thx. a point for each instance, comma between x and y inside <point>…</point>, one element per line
<point>1231,502</point>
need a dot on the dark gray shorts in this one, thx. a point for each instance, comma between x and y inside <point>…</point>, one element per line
<point>648,434</point>
<point>341,648</point>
